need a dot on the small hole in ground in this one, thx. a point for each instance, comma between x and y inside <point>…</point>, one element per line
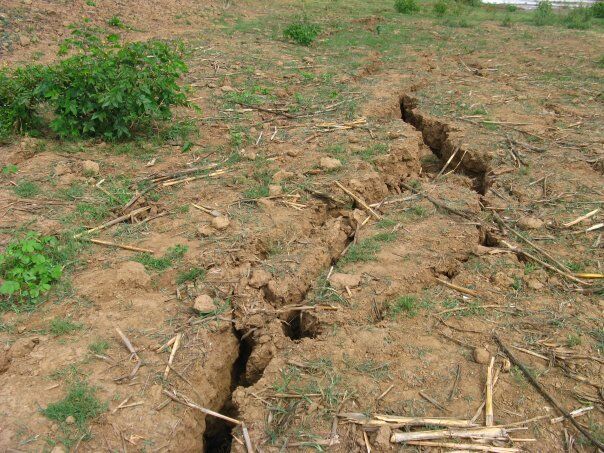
<point>301,325</point>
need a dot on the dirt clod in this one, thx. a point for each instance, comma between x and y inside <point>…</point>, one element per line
<point>530,223</point>
<point>329,163</point>
<point>341,281</point>
<point>282,175</point>
<point>221,223</point>
<point>383,436</point>
<point>260,278</point>
<point>481,355</point>
<point>274,190</point>
<point>204,304</point>
<point>70,420</point>
<point>90,168</point>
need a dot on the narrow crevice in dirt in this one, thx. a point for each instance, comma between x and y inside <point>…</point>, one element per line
<point>446,144</point>
<point>218,433</point>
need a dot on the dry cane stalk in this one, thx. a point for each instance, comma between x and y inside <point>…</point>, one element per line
<point>477,433</point>
<point>489,395</point>
<point>172,354</point>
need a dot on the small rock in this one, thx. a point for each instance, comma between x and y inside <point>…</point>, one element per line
<point>506,366</point>
<point>204,304</point>
<point>308,60</point>
<point>24,41</point>
<point>329,163</point>
<point>20,329</point>
<point>221,223</point>
<point>57,449</point>
<point>530,223</point>
<point>281,175</point>
<point>341,281</point>
<point>70,420</point>
<point>204,231</point>
<point>383,436</point>
<point>393,135</point>
<point>481,355</point>
<point>293,152</point>
<point>211,85</point>
<point>274,190</point>
<point>90,168</point>
<point>260,278</point>
<point>227,89</point>
<point>354,139</point>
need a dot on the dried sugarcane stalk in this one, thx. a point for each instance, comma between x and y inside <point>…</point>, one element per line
<point>491,432</point>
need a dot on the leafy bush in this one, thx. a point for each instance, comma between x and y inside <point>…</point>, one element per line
<point>105,89</point>
<point>302,32</point>
<point>544,13</point>
<point>27,269</point>
<point>406,6</point>
<point>511,8</point>
<point>597,9</point>
<point>578,18</point>
<point>17,100</point>
<point>440,8</point>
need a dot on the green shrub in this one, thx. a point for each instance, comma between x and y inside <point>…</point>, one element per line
<point>18,100</point>
<point>597,9</point>
<point>440,8</point>
<point>406,6</point>
<point>578,18</point>
<point>27,270</point>
<point>544,13</point>
<point>104,89</point>
<point>511,8</point>
<point>302,32</point>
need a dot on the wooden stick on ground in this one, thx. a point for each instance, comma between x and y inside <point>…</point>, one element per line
<point>546,395</point>
<point>360,201</point>
<point>121,246</point>
<point>493,432</point>
<point>172,354</point>
<point>488,417</point>
<point>114,221</point>
<point>543,263</point>
<point>462,447</point>
<point>436,202</point>
<point>504,225</point>
<point>127,343</point>
<point>461,289</point>
<point>187,402</point>
<point>582,218</point>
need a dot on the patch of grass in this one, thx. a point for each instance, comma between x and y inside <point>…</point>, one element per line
<point>597,9</point>
<point>370,153</point>
<point>406,6</point>
<point>366,249</point>
<point>80,403</point>
<point>573,340</point>
<point>302,32</point>
<point>196,273</point>
<point>440,8</point>
<point>598,335</point>
<point>26,189</point>
<point>375,370</point>
<point>63,326</point>
<point>172,255</point>
<point>9,169</point>
<point>98,347</point>
<point>403,305</point>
